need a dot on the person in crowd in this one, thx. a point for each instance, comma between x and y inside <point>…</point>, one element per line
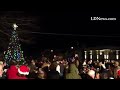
<point>2,74</point>
<point>102,66</point>
<point>23,71</point>
<point>58,67</point>
<point>74,74</point>
<point>12,70</point>
<point>117,67</point>
<point>91,74</point>
<point>68,67</point>
<point>45,66</point>
<point>5,65</point>
<point>90,63</point>
<point>105,75</point>
<point>84,71</point>
<point>62,69</point>
<point>84,63</point>
<point>97,75</point>
<point>53,74</point>
<point>66,70</point>
<point>41,74</point>
<point>33,70</point>
<point>110,71</point>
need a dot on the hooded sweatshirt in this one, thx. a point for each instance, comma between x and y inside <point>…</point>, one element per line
<point>73,73</point>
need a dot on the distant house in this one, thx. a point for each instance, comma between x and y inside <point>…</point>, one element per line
<point>102,53</point>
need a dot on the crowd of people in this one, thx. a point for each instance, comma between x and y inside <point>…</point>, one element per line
<point>60,68</point>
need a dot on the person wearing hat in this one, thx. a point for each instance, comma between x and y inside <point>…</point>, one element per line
<point>23,71</point>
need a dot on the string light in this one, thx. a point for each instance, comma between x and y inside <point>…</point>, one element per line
<point>14,50</point>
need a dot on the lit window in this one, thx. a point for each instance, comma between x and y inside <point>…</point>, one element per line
<point>107,56</point>
<point>97,57</point>
<point>85,54</point>
<point>100,52</point>
<point>91,54</point>
<point>117,57</point>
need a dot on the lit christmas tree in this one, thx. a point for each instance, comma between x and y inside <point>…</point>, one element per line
<point>14,49</point>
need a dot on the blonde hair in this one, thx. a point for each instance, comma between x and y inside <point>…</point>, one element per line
<point>1,63</point>
<point>91,73</point>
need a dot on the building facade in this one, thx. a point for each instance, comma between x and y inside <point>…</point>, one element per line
<point>102,54</point>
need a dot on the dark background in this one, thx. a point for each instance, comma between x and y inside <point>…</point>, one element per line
<point>66,27</point>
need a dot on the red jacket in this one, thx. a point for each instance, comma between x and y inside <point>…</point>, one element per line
<point>12,72</point>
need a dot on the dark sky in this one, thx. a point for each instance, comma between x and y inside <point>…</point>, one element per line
<point>75,22</point>
<point>78,23</point>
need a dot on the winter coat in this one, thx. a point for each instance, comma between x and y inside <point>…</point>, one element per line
<point>12,72</point>
<point>32,68</point>
<point>73,73</point>
<point>115,71</point>
<point>53,75</point>
<point>86,76</point>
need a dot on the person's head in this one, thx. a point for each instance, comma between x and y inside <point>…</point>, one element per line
<point>32,60</point>
<point>104,75</point>
<point>112,61</point>
<point>91,73</point>
<point>2,63</point>
<point>12,62</point>
<point>100,63</point>
<point>116,64</point>
<point>1,69</point>
<point>41,73</point>
<point>23,70</point>
<point>53,66</point>
<point>96,63</point>
<point>33,63</point>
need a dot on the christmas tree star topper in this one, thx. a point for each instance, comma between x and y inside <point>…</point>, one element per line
<point>15,26</point>
<point>14,51</point>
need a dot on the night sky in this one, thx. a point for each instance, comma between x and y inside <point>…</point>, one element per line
<point>72,23</point>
